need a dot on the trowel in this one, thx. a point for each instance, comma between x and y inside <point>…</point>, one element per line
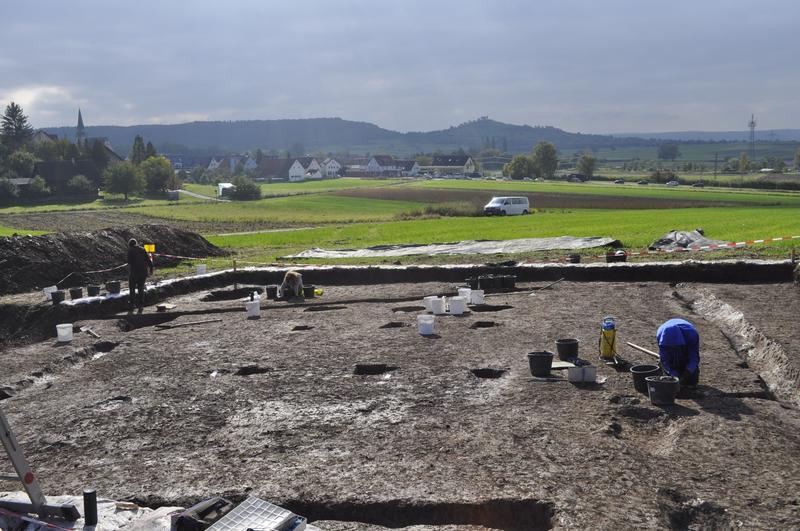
<point>88,330</point>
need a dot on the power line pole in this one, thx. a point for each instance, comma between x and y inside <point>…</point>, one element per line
<point>716,160</point>
<point>752,125</point>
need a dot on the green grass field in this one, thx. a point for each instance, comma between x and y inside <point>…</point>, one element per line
<point>699,152</point>
<point>635,228</point>
<point>305,209</point>
<point>334,221</point>
<point>628,190</point>
<point>282,189</point>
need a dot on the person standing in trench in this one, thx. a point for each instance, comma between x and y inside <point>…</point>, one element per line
<point>139,265</point>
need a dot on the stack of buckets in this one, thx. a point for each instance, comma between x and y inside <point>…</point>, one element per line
<point>442,305</point>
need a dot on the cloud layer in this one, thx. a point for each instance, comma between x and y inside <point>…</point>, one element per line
<point>582,65</point>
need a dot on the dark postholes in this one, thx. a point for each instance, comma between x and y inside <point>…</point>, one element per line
<point>505,514</point>
<point>409,309</point>
<point>302,328</point>
<point>321,308</point>
<point>372,368</point>
<point>540,363</point>
<point>488,372</point>
<point>490,307</point>
<point>393,324</point>
<point>483,324</point>
<point>249,370</point>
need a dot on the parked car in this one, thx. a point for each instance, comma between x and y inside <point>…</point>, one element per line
<point>673,183</point>
<point>643,181</point>
<point>511,206</point>
<point>698,185</point>
<point>619,181</point>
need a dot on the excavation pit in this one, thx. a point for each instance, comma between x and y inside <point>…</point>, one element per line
<point>488,373</point>
<point>430,444</point>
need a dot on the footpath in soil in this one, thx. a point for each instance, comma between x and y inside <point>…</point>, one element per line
<point>272,407</point>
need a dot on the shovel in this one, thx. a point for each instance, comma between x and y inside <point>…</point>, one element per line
<point>88,330</point>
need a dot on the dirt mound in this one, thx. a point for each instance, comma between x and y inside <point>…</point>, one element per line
<point>31,262</point>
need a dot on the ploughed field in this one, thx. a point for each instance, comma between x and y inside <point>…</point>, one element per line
<point>453,433</point>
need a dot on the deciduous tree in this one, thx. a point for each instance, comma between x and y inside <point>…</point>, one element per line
<point>668,151</point>
<point>124,178</point>
<point>545,159</point>
<point>520,167</point>
<point>157,172</point>
<point>586,164</point>
<point>245,188</point>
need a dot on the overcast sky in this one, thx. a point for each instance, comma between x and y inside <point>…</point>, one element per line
<point>581,65</point>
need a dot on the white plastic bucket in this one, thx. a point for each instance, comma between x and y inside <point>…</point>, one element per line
<point>465,293</point>
<point>201,269</point>
<point>253,308</point>
<point>427,302</point>
<point>476,296</point>
<point>48,292</point>
<point>457,305</point>
<point>64,332</point>
<point>425,324</point>
<point>438,305</point>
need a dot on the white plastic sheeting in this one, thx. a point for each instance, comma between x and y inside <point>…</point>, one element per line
<point>110,517</point>
<point>521,245</point>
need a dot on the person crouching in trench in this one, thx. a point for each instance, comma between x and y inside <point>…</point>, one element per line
<point>292,285</point>
<point>679,350</point>
<point>139,265</point>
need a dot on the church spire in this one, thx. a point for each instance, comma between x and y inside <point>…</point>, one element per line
<point>80,131</point>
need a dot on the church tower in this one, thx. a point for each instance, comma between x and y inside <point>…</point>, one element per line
<point>80,131</point>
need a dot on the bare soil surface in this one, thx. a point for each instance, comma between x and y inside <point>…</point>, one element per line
<point>537,200</point>
<point>92,220</point>
<point>66,258</point>
<point>272,407</point>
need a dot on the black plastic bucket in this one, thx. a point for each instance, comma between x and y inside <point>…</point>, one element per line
<point>567,348</point>
<point>272,291</point>
<point>640,372</point>
<point>308,291</point>
<point>113,286</point>
<point>662,389</point>
<point>93,291</point>
<point>57,297</point>
<point>616,257</point>
<point>508,281</point>
<point>540,363</point>
<point>75,293</point>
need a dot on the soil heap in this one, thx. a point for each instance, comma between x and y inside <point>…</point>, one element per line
<point>31,262</point>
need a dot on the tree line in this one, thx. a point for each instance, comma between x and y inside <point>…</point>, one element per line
<point>144,171</point>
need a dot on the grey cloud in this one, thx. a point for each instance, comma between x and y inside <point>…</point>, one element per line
<point>617,65</point>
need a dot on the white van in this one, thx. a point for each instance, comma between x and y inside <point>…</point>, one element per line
<point>511,206</point>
